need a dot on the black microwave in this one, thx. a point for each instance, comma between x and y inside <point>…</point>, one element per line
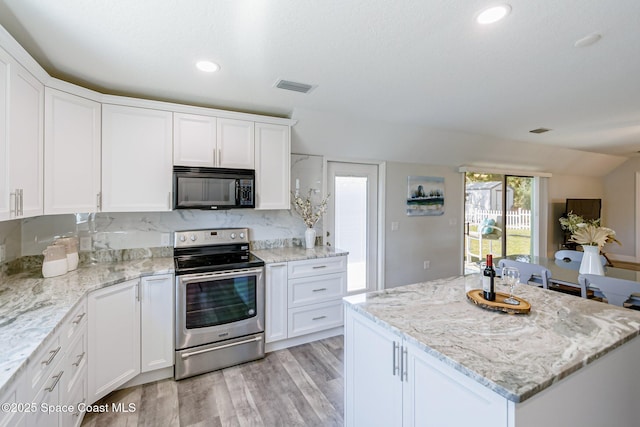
<point>213,188</point>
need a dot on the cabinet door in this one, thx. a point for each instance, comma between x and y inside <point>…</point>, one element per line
<point>5,66</point>
<point>276,302</point>
<point>157,322</point>
<point>25,141</point>
<point>373,388</point>
<point>273,169</point>
<point>235,144</point>
<point>436,394</point>
<point>136,159</point>
<point>114,337</point>
<point>71,153</point>
<point>194,140</point>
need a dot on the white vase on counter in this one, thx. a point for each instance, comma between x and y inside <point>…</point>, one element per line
<point>309,238</point>
<point>591,263</point>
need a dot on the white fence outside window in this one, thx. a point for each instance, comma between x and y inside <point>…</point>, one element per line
<point>519,219</point>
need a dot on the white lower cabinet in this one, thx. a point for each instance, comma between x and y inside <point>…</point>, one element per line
<point>114,337</point>
<point>56,378</point>
<point>130,332</point>
<point>304,297</point>
<point>157,322</point>
<point>276,302</point>
<point>419,390</point>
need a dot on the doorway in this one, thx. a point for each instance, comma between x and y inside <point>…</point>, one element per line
<point>499,216</point>
<point>352,220</point>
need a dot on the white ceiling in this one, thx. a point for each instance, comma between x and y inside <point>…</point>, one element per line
<point>418,62</point>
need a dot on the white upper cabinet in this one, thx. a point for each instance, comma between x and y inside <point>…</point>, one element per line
<point>23,116</point>
<point>206,141</point>
<point>273,169</point>
<point>235,144</point>
<point>72,153</point>
<point>4,101</point>
<point>136,159</point>
<point>194,140</point>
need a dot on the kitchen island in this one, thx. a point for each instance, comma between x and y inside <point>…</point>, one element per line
<point>424,355</point>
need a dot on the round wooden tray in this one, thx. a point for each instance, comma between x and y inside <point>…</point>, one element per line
<point>475,296</point>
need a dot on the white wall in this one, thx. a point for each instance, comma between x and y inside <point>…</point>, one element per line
<point>563,187</point>
<point>619,209</point>
<point>437,239</point>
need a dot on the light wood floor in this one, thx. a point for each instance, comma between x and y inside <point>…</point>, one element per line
<point>298,386</point>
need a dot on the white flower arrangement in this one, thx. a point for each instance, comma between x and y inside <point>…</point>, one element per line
<point>310,214</point>
<point>589,233</point>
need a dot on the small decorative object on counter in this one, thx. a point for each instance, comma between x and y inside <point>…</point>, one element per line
<point>55,261</point>
<point>71,247</point>
<point>488,280</point>
<point>310,215</point>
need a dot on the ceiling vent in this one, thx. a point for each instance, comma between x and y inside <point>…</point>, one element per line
<point>294,86</point>
<point>540,130</point>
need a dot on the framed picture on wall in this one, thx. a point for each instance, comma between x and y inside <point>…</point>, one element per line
<point>425,195</point>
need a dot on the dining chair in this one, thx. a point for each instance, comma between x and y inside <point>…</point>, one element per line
<point>616,291</point>
<point>529,273</point>
<point>574,256</point>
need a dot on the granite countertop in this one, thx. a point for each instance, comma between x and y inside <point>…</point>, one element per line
<point>296,253</point>
<point>33,308</point>
<point>516,356</point>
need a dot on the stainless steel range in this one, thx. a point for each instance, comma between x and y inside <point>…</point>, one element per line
<point>219,301</point>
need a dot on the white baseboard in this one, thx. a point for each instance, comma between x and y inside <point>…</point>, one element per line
<point>304,339</point>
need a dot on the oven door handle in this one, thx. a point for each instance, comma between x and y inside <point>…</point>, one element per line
<point>233,344</point>
<point>187,278</point>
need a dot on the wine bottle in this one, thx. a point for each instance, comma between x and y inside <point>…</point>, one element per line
<point>488,275</point>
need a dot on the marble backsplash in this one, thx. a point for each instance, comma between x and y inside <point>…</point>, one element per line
<point>104,236</point>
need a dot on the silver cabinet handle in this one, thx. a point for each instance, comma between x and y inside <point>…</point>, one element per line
<point>53,354</point>
<point>169,201</point>
<point>405,365</point>
<point>215,157</point>
<point>219,157</point>
<point>55,383</point>
<point>395,349</point>
<point>99,201</point>
<point>315,267</point>
<point>319,290</point>
<point>21,204</point>
<point>13,209</point>
<point>80,357</point>
<point>78,318</point>
<point>77,413</point>
<point>138,291</point>
<point>319,318</point>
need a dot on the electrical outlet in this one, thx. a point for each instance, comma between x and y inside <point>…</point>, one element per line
<point>395,225</point>
<point>3,252</point>
<point>85,243</point>
<point>165,239</point>
<point>427,264</point>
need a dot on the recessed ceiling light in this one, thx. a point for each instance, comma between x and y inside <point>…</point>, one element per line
<point>207,66</point>
<point>493,14</point>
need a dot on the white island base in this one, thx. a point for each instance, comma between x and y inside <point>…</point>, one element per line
<point>391,381</point>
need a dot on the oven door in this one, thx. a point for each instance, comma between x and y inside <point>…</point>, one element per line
<point>212,307</point>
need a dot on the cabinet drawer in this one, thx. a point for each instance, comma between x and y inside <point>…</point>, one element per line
<point>75,322</point>
<point>314,318</point>
<point>14,394</point>
<point>314,289</point>
<point>312,267</point>
<point>42,363</point>
<point>75,362</point>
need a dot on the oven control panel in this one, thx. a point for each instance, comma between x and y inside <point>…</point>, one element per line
<point>221,236</point>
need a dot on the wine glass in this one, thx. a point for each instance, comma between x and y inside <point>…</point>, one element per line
<point>511,276</point>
